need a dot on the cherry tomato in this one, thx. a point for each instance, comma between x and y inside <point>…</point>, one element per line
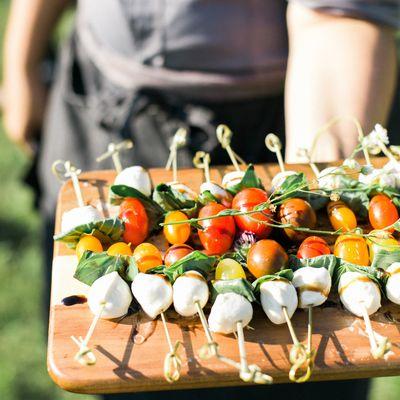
<point>217,234</point>
<point>136,221</point>
<point>176,234</point>
<point>229,269</point>
<point>88,242</point>
<point>176,252</point>
<point>266,257</point>
<point>382,240</point>
<point>147,256</point>
<point>352,248</point>
<point>298,213</point>
<point>246,200</point>
<point>341,216</point>
<point>382,212</point>
<point>119,249</point>
<point>313,246</point>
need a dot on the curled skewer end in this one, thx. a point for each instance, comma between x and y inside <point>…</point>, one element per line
<point>173,364</point>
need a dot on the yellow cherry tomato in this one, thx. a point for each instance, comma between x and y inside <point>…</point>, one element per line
<point>382,240</point>
<point>119,249</point>
<point>88,242</point>
<point>229,269</point>
<point>176,234</point>
<point>147,256</point>
<point>352,248</point>
<point>341,216</point>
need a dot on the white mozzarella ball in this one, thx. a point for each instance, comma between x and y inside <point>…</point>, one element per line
<point>357,291</point>
<point>232,178</point>
<point>111,292</point>
<point>275,295</point>
<point>279,178</point>
<point>183,190</point>
<point>228,309</point>
<point>136,177</point>
<point>153,293</point>
<point>79,216</point>
<point>372,178</point>
<point>393,283</point>
<point>313,286</point>
<point>330,178</point>
<point>217,191</point>
<point>189,289</point>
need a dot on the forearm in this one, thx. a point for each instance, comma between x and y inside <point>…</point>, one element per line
<point>29,28</point>
<point>337,66</point>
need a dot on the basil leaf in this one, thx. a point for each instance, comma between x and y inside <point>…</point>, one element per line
<point>385,258</point>
<point>170,199</point>
<point>358,201</point>
<point>195,261</point>
<point>317,199</point>
<point>92,266</point>
<point>131,270</point>
<point>293,182</point>
<point>286,274</point>
<point>106,230</point>
<point>249,180</point>
<point>328,261</point>
<point>154,212</point>
<point>239,286</point>
<point>207,197</point>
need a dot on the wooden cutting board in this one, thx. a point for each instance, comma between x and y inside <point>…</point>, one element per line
<point>124,366</point>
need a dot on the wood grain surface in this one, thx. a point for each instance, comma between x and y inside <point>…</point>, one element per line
<point>125,366</point>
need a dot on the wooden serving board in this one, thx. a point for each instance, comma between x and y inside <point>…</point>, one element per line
<point>124,366</point>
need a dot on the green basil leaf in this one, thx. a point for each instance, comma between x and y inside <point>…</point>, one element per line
<point>131,270</point>
<point>385,258</point>
<point>207,197</point>
<point>92,266</point>
<point>239,286</point>
<point>106,230</point>
<point>358,201</point>
<point>249,180</point>
<point>328,261</point>
<point>286,274</point>
<point>154,212</point>
<point>170,199</point>
<point>292,182</point>
<point>317,199</point>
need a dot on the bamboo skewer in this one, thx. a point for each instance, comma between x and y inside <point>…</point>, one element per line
<point>178,141</point>
<point>113,151</point>
<point>274,145</point>
<point>224,136</point>
<point>202,160</point>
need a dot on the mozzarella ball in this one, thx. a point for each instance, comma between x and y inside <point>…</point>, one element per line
<point>111,291</point>
<point>228,309</point>
<point>232,178</point>
<point>313,286</point>
<point>330,178</point>
<point>357,291</point>
<point>183,190</point>
<point>188,289</point>
<point>217,191</point>
<point>275,295</point>
<point>79,216</point>
<point>393,283</point>
<point>279,178</point>
<point>372,178</point>
<point>136,177</point>
<point>153,293</point>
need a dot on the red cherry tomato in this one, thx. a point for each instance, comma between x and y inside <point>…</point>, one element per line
<point>176,252</point>
<point>136,222</point>
<point>217,234</point>
<point>266,257</point>
<point>313,246</point>
<point>382,212</point>
<point>246,200</point>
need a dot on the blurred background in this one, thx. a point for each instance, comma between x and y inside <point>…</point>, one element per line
<point>23,373</point>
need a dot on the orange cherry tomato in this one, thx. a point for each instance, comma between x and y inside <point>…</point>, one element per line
<point>176,234</point>
<point>382,212</point>
<point>352,248</point>
<point>313,246</point>
<point>341,216</point>
<point>255,223</point>
<point>176,252</point>
<point>88,242</point>
<point>266,257</point>
<point>119,249</point>
<point>298,213</point>
<point>136,221</point>
<point>147,256</point>
<point>217,234</point>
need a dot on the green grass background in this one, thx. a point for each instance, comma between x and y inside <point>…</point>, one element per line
<point>23,372</point>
